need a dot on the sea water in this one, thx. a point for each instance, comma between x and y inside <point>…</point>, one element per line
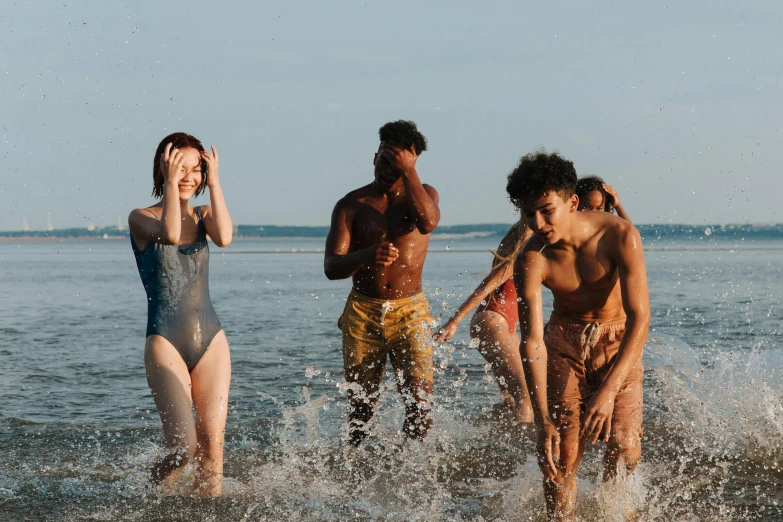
<point>79,429</point>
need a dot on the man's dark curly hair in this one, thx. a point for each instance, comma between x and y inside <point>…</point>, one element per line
<point>403,134</point>
<point>539,173</point>
<point>588,184</point>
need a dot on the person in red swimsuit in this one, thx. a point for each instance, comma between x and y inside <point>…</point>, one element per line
<point>494,325</point>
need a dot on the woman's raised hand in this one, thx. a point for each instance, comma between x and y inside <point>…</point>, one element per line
<point>171,165</point>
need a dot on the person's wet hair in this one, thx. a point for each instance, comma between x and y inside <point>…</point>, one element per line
<point>403,134</point>
<point>179,140</point>
<point>539,173</point>
<point>587,184</point>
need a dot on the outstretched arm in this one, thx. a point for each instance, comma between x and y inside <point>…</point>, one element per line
<point>339,262</point>
<point>528,278</point>
<point>422,199</point>
<point>636,304</point>
<point>216,218</point>
<point>144,225</point>
<point>497,276</point>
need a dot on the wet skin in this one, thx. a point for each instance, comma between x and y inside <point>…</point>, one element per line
<point>379,237</point>
<point>594,265</point>
<point>177,390</point>
<point>380,232</point>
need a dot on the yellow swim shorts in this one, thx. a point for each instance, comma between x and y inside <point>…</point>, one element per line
<point>373,328</point>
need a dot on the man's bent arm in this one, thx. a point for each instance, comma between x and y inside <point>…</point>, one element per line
<point>338,263</point>
<point>423,202</point>
<point>636,303</point>
<point>527,279</point>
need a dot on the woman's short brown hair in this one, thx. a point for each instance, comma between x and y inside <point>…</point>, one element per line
<point>178,140</point>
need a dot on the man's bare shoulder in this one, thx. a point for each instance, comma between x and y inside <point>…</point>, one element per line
<point>604,224</point>
<point>355,197</point>
<point>616,228</point>
<point>533,245</point>
<point>531,254</point>
<point>613,231</point>
<point>627,235</point>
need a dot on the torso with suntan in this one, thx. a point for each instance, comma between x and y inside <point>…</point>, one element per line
<point>583,276</point>
<point>377,218</point>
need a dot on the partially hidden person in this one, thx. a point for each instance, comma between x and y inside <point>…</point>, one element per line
<point>495,322</point>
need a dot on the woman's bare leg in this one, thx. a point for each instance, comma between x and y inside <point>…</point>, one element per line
<point>500,347</point>
<point>211,379</point>
<point>169,382</point>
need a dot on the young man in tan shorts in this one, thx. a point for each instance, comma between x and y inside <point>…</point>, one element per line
<point>379,236</point>
<point>584,368</point>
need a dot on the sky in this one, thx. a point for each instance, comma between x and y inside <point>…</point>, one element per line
<point>678,106</point>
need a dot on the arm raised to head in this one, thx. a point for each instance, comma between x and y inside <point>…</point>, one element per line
<point>422,199</point>
<point>144,225</point>
<point>216,218</point>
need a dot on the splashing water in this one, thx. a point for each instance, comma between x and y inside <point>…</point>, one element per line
<point>79,430</point>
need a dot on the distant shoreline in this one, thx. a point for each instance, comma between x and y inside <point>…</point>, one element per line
<point>447,232</point>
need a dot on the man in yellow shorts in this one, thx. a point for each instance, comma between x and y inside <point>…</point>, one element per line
<point>379,236</point>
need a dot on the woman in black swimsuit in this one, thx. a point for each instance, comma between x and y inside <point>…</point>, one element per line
<point>186,353</point>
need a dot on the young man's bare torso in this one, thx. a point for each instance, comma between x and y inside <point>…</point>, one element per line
<point>584,368</point>
<point>376,226</point>
<point>583,276</point>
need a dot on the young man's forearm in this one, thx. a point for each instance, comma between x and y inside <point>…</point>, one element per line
<point>426,214</point>
<point>338,266</point>
<point>534,361</point>
<point>170,217</point>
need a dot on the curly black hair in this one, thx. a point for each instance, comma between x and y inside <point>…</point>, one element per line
<point>539,173</point>
<point>587,184</point>
<point>403,134</point>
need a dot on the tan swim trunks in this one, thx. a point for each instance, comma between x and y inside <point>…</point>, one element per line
<point>375,328</point>
<point>579,355</point>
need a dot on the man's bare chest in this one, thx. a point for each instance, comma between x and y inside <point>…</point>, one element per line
<point>581,272</point>
<point>374,223</point>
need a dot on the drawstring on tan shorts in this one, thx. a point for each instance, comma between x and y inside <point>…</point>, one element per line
<point>588,340</point>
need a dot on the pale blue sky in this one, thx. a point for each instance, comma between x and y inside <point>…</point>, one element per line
<point>679,106</point>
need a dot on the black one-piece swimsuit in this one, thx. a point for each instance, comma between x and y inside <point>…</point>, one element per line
<point>176,279</point>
